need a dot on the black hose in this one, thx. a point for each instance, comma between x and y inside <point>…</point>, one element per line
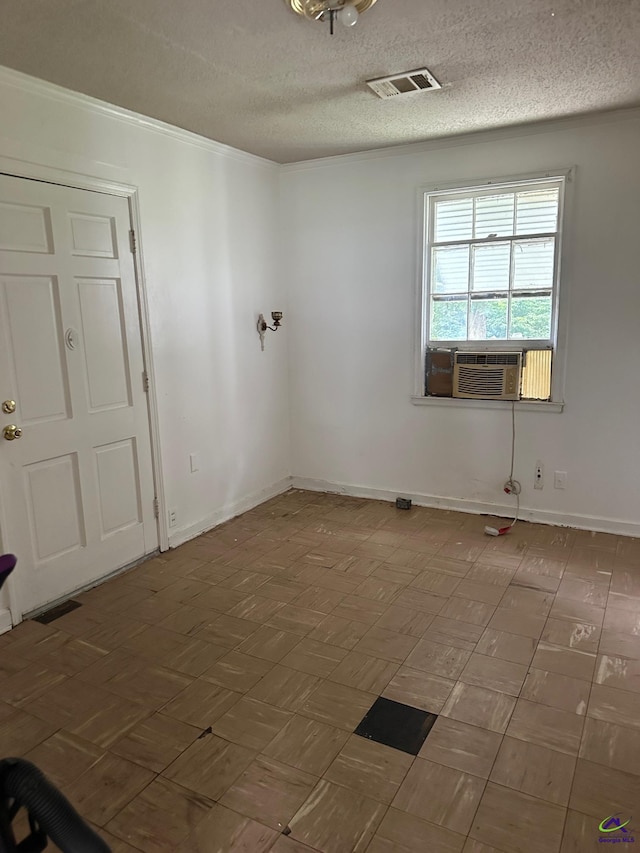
<point>22,782</point>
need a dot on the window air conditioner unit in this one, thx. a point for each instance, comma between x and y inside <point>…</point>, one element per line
<point>487,375</point>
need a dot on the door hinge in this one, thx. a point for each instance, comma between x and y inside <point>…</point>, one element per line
<point>145,381</point>
<point>132,241</point>
<point>156,508</point>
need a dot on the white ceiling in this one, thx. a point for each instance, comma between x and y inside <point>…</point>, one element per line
<point>251,74</point>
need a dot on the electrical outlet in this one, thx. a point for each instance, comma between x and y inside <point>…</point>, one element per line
<point>194,462</point>
<point>173,517</point>
<point>560,480</point>
<point>538,477</point>
<point>512,487</point>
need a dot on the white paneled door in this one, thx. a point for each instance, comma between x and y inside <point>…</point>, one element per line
<point>76,481</point>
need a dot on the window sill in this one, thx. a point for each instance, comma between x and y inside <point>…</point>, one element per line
<point>463,403</point>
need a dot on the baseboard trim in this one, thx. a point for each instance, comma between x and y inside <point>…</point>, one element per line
<point>184,534</point>
<point>557,519</point>
<point>5,621</point>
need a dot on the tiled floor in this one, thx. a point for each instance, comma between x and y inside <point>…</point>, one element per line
<point>206,700</point>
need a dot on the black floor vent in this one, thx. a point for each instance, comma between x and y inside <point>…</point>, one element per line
<point>56,612</point>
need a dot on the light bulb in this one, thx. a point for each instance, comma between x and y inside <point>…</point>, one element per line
<point>348,15</point>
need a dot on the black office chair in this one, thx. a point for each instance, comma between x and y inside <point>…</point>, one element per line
<point>51,816</point>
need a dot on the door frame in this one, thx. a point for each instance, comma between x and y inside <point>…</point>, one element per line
<point>49,175</point>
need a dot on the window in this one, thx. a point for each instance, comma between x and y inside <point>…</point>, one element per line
<point>491,271</point>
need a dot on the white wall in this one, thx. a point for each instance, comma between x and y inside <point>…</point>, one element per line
<point>351,266</point>
<point>210,245</point>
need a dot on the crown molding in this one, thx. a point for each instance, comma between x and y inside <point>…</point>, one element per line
<point>53,92</point>
<point>474,138</point>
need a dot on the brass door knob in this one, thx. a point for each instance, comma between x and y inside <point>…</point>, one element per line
<point>12,431</point>
<point>9,407</point>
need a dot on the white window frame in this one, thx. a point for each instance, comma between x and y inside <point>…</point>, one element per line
<point>557,341</point>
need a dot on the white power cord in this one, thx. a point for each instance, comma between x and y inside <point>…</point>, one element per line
<point>511,487</point>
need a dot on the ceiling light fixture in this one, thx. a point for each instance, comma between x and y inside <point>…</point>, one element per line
<point>330,11</point>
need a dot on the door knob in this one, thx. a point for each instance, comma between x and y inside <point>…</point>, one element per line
<point>12,431</point>
<point>9,407</point>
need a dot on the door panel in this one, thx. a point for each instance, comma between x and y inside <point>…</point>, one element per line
<point>77,488</point>
<point>103,325</point>
<point>55,507</point>
<point>25,228</point>
<point>118,486</point>
<point>93,236</point>
<point>33,303</point>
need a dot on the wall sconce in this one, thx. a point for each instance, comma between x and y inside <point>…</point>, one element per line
<point>276,316</point>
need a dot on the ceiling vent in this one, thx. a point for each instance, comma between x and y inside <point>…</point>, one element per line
<point>420,80</point>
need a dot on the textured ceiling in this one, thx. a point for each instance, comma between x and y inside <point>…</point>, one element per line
<point>252,74</point>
